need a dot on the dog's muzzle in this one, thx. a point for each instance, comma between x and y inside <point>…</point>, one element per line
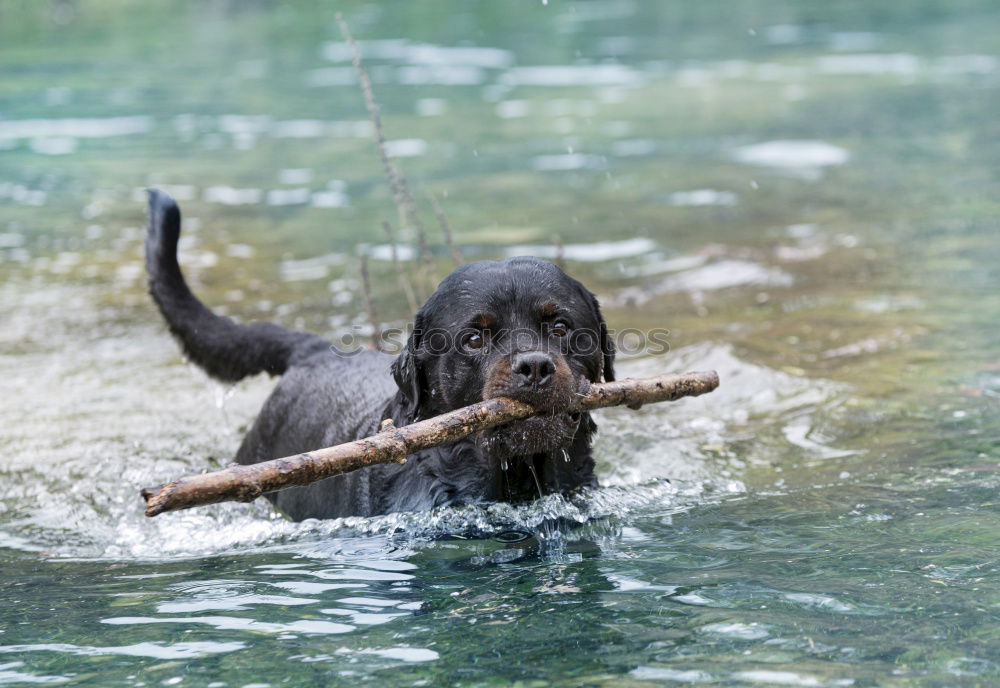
<point>547,383</point>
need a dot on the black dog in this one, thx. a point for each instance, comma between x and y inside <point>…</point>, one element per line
<point>519,328</point>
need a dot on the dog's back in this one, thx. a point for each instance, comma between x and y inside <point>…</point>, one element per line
<point>322,400</point>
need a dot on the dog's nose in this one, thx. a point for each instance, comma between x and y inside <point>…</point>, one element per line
<point>533,369</point>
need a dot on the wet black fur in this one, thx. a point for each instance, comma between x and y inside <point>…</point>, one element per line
<point>324,398</point>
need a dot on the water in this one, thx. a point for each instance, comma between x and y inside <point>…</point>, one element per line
<point>803,193</point>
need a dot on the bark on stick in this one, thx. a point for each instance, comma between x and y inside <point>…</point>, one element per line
<point>392,445</point>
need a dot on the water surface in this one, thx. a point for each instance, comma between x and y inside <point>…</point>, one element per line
<point>803,193</point>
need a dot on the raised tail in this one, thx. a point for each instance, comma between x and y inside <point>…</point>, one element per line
<point>224,349</point>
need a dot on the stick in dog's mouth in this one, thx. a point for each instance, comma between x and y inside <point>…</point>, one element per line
<point>393,444</point>
<point>525,438</point>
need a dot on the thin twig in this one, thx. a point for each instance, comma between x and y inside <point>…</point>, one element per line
<point>456,252</point>
<point>405,205</point>
<point>244,483</point>
<point>558,259</point>
<point>404,281</point>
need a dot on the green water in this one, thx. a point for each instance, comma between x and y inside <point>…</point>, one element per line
<point>804,193</point>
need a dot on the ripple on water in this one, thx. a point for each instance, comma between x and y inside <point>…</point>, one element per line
<point>684,441</point>
<point>694,274</point>
<point>737,630</point>
<point>9,676</point>
<point>802,158</point>
<point>75,128</point>
<point>599,251</point>
<point>755,677</point>
<point>234,623</point>
<point>154,650</point>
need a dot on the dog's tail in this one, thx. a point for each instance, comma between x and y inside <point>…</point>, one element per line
<point>224,349</point>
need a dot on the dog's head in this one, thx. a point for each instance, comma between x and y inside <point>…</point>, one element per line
<point>520,328</point>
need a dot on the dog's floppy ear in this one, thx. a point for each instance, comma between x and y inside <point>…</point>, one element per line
<point>606,343</point>
<point>408,374</point>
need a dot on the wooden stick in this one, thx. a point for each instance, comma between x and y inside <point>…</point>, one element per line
<point>392,445</point>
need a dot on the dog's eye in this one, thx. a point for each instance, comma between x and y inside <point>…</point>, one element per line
<point>559,328</point>
<point>473,341</point>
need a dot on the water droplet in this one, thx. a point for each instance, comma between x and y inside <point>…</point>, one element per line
<point>565,456</point>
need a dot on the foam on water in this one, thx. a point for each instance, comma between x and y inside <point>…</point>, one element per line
<point>183,650</point>
<point>634,147</point>
<point>688,441</point>
<point>803,158</point>
<point>568,161</point>
<point>310,268</point>
<point>405,148</point>
<point>900,64</point>
<point>54,145</point>
<point>573,75</point>
<point>440,74</point>
<point>228,195</point>
<point>333,196</point>
<point>593,252</point>
<point>511,109</point>
<point>19,193</point>
<point>75,128</point>
<point>403,50</point>
<point>694,274</point>
<point>702,197</point>
<point>315,128</point>
<point>844,62</point>
<point>280,197</point>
